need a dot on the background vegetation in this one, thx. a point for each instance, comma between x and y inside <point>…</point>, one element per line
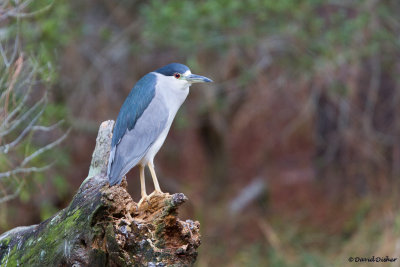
<point>292,156</point>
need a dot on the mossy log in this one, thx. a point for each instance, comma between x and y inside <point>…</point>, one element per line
<point>103,226</point>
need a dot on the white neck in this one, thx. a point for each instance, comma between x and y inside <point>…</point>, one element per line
<point>173,91</point>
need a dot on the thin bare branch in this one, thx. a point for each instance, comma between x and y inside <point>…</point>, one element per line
<point>11,196</point>
<point>47,128</point>
<point>4,56</point>
<point>5,148</point>
<point>21,119</point>
<point>16,12</point>
<point>16,44</point>
<point>18,67</point>
<point>44,149</point>
<point>9,61</point>
<point>26,81</point>
<point>25,170</point>
<point>15,111</point>
<point>252,191</point>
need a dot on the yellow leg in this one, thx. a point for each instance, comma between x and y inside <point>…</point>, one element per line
<point>142,184</point>
<point>154,176</point>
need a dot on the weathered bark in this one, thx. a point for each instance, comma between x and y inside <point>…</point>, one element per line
<point>102,226</point>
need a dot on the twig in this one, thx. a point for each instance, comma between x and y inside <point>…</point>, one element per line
<point>18,121</point>
<point>249,193</point>
<point>44,149</point>
<point>16,109</point>
<point>15,13</point>
<point>25,170</point>
<point>15,10</point>
<point>5,148</point>
<point>47,128</point>
<point>3,54</point>
<point>270,235</point>
<point>11,196</point>
<point>27,80</point>
<point>14,77</point>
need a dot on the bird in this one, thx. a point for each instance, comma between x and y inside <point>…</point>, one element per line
<point>144,121</point>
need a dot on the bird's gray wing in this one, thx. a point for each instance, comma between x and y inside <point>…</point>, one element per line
<point>135,104</point>
<point>134,144</point>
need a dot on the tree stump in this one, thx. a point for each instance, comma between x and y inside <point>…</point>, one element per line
<point>103,226</point>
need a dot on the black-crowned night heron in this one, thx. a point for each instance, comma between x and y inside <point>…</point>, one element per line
<point>145,119</point>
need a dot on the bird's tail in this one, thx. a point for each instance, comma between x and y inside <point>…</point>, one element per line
<point>114,180</point>
<point>113,177</point>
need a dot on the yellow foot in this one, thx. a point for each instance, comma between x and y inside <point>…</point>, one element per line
<point>157,192</point>
<point>144,198</point>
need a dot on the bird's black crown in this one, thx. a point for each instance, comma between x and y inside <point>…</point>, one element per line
<point>172,68</point>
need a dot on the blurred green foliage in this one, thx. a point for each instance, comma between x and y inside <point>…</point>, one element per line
<point>318,34</point>
<point>46,33</point>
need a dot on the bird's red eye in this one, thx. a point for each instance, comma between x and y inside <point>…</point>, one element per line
<point>177,75</point>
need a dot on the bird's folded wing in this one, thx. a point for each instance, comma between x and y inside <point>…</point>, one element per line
<point>136,142</point>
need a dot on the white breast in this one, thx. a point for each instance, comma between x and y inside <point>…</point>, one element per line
<point>174,94</point>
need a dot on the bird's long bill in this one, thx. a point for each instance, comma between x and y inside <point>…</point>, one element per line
<point>193,78</point>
